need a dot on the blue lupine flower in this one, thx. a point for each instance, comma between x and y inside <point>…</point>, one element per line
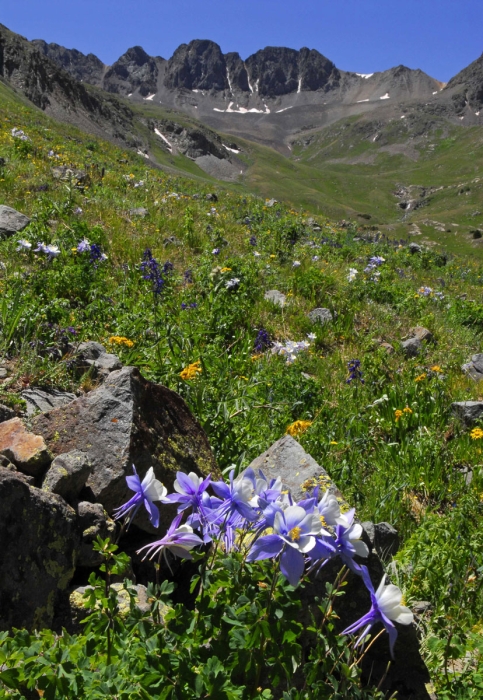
<point>146,491</point>
<point>294,536</point>
<point>253,240</point>
<point>386,608</point>
<point>96,254</point>
<point>150,269</point>
<point>262,341</point>
<point>355,372</point>
<point>179,540</point>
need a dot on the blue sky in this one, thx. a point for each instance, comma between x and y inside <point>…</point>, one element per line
<point>439,36</point>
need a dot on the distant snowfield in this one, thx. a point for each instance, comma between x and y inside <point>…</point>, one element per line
<point>358,101</point>
<point>242,110</point>
<point>385,97</point>
<point>365,75</point>
<point>232,150</point>
<point>158,133</point>
<point>283,110</point>
<point>140,153</point>
<point>150,97</point>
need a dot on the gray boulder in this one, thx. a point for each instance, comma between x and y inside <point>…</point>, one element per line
<point>139,211</point>
<point>321,316</point>
<point>39,537</point>
<point>3,373</point>
<point>474,368</point>
<point>468,411</point>
<point>45,399</point>
<point>383,538</point>
<point>275,297</point>
<point>63,172</point>
<point>11,221</point>
<point>415,248</point>
<point>93,355</point>
<point>6,413</point>
<point>412,347</point>
<point>421,333</point>
<point>67,474</point>
<point>128,420</point>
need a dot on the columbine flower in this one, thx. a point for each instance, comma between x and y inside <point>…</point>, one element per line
<point>23,244</point>
<point>352,274</point>
<point>296,263</point>
<point>40,247</point>
<point>315,258</point>
<point>425,291</point>
<point>78,211</point>
<point>179,540</point>
<point>52,251</point>
<point>96,254</point>
<point>348,541</point>
<point>329,510</point>
<point>215,251</point>
<point>311,336</point>
<point>84,246</point>
<point>19,134</point>
<point>294,536</point>
<point>236,496</point>
<point>386,608</point>
<point>233,283</point>
<point>189,489</point>
<point>146,491</point>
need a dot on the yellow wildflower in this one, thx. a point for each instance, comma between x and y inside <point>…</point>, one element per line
<point>191,371</point>
<point>421,377</point>
<point>397,414</point>
<point>407,410</point>
<point>436,368</point>
<point>225,269</point>
<point>120,340</point>
<point>257,356</point>
<point>333,442</point>
<point>476,434</point>
<point>299,427</point>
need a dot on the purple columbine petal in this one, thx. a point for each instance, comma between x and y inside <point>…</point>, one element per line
<point>292,565</point>
<point>266,547</point>
<point>134,483</point>
<point>186,484</point>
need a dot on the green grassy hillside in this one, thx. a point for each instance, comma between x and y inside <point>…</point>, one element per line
<point>385,433</point>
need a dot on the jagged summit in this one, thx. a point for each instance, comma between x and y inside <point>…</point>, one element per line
<point>467,87</point>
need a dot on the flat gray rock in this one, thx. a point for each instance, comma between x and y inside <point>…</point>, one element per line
<point>11,221</point>
<point>67,474</point>
<point>474,368</point>
<point>45,399</point>
<point>468,411</point>
<point>92,354</point>
<point>275,297</point>
<point>139,211</point>
<point>321,316</point>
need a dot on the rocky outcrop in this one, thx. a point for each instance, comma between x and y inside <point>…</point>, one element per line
<point>84,68</point>
<point>39,540</point>
<point>134,70</point>
<point>40,400</point>
<point>128,420</point>
<point>193,143</point>
<point>28,452</point>
<point>467,87</point>
<point>199,65</point>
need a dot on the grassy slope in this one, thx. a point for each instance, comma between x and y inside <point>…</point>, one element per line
<point>408,471</point>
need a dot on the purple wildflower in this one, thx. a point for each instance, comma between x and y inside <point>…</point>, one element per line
<point>262,341</point>
<point>179,540</point>
<point>355,372</point>
<point>146,491</point>
<point>386,608</point>
<point>151,272</point>
<point>84,246</point>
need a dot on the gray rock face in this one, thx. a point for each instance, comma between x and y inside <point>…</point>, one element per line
<point>128,420</point>
<point>384,539</point>
<point>468,411</point>
<point>321,316</point>
<point>412,347</point>
<point>275,297</point>
<point>299,471</point>
<point>132,71</point>
<point>45,399</point>
<point>85,68</point>
<point>474,368</point>
<point>39,541</point>
<point>6,413</point>
<point>67,474</point>
<point>94,522</point>
<point>11,221</point>
<point>199,65</point>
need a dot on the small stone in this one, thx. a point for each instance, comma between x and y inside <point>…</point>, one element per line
<point>414,248</point>
<point>27,451</point>
<point>3,373</point>
<point>412,347</point>
<point>212,197</point>
<point>275,297</point>
<point>271,202</point>
<point>68,474</point>
<point>11,221</point>
<point>421,333</point>
<point>474,368</point>
<point>321,316</point>
<point>421,606</point>
<point>44,399</point>
<point>139,211</point>
<point>468,411</point>
<point>172,240</point>
<point>6,413</point>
